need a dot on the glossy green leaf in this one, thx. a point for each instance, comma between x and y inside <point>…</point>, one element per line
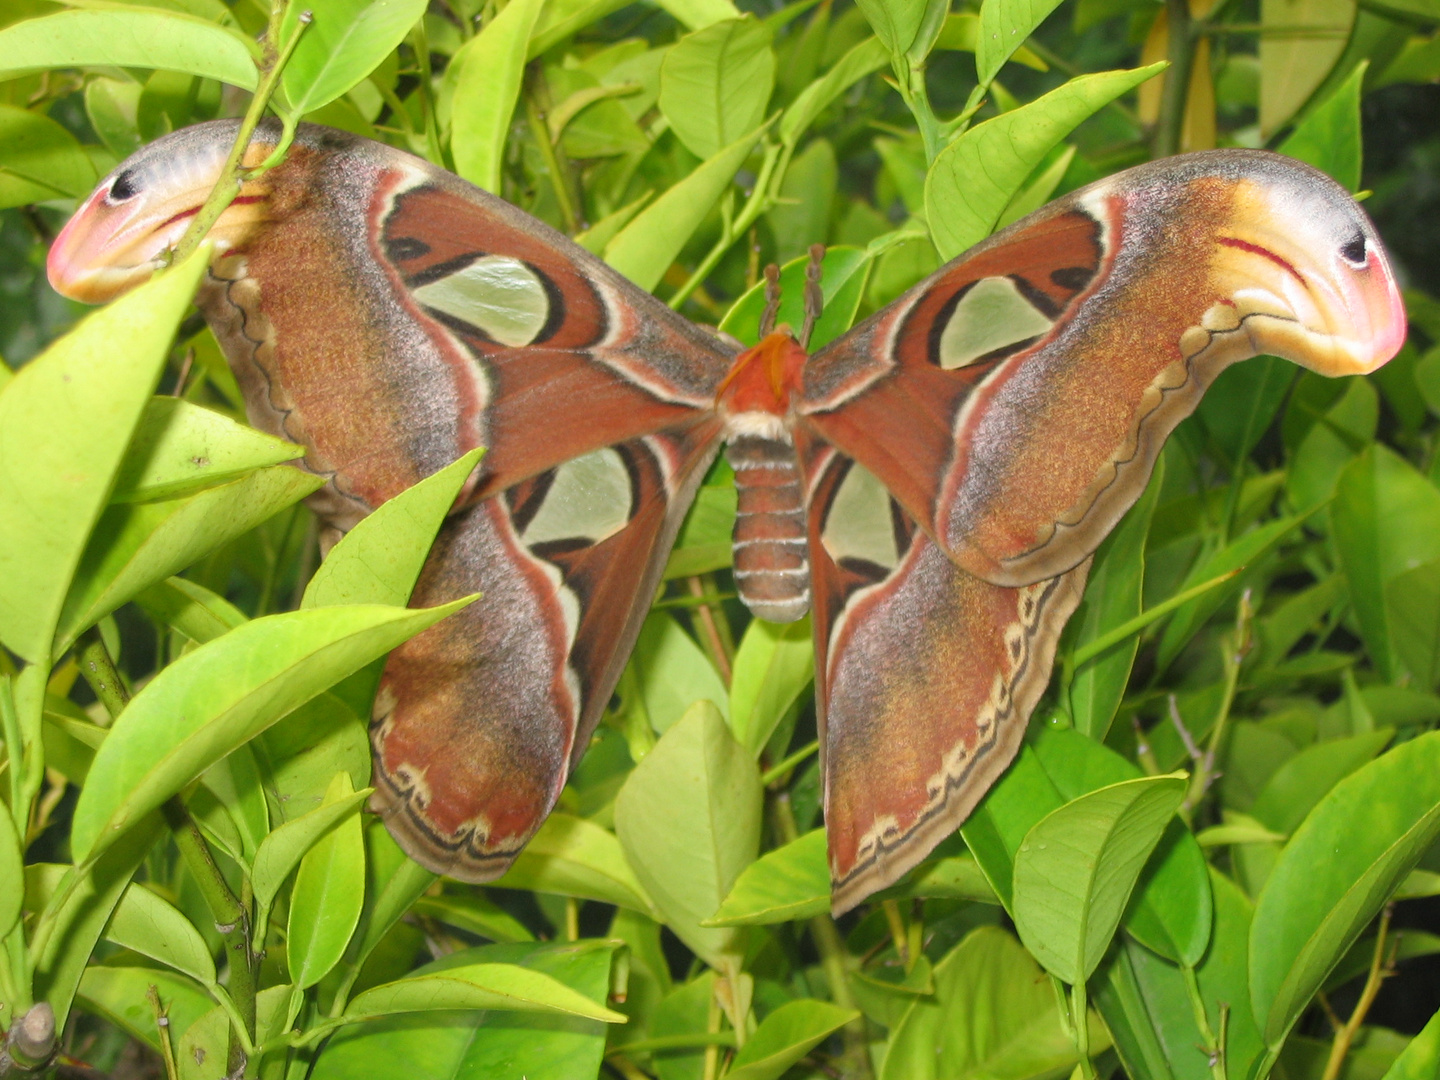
<point>862,59</point>
<point>993,832</point>
<point>12,874</point>
<point>478,986</point>
<point>283,849</point>
<point>221,695</point>
<point>1303,780</point>
<point>784,1037</point>
<point>329,890</point>
<point>485,1045</point>
<point>785,885</point>
<point>1329,135</point>
<point>1076,868</point>
<point>78,919</point>
<point>1040,188</point>
<point>992,1014</point>
<point>485,95</point>
<point>1004,26</point>
<point>344,42</point>
<point>688,819</point>
<point>976,176</point>
<point>378,561</point>
<point>302,753</point>
<point>206,1041</point>
<point>801,215</point>
<point>153,927</point>
<point>191,609</point>
<point>1421,1059</point>
<point>570,856</point>
<point>1114,594</point>
<point>773,665</point>
<point>895,22</point>
<point>119,995</point>
<point>1412,603</point>
<point>1304,40</point>
<point>1339,868</point>
<point>645,248</point>
<point>236,784</point>
<point>698,14</point>
<point>1240,405</point>
<point>65,420</point>
<point>136,545</point>
<point>1385,520</point>
<point>39,159</point>
<point>179,448</point>
<point>474,914</point>
<point>715,83</point>
<point>117,37</point>
<point>673,672</point>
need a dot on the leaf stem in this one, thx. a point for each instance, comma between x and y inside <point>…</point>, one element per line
<point>228,184</point>
<point>1235,646</point>
<point>1080,1022</point>
<point>162,1028</point>
<point>1114,637</point>
<point>721,651</point>
<point>1377,975</point>
<point>1173,95</point>
<point>1214,1048</point>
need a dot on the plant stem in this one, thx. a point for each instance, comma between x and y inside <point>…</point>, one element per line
<point>14,756</point>
<point>228,184</point>
<point>709,627</point>
<point>1173,95</point>
<point>1377,975</point>
<point>1214,1048</point>
<point>1235,646</point>
<point>230,916</point>
<point>162,1027</point>
<point>535,117</point>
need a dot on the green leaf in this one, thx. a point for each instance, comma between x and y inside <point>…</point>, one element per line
<point>1421,1059</point>
<point>485,1046</point>
<point>329,890</point>
<point>715,83</point>
<point>344,43</point>
<point>1412,603</point>
<point>785,885</point>
<point>12,872</point>
<point>785,1036</point>
<point>1004,26</point>
<point>992,1014</point>
<point>478,986</point>
<point>119,995</point>
<point>378,561</point>
<point>861,60</point>
<point>1240,405</point>
<point>698,14</point>
<point>1329,136</point>
<point>1076,868</point>
<point>65,420</point>
<point>153,927</point>
<point>136,545</point>
<point>895,22</point>
<point>1338,870</point>
<point>191,609</point>
<point>1301,42</point>
<point>1303,780</point>
<point>570,856</point>
<point>645,248</point>
<point>1171,911</point>
<point>485,94</point>
<point>996,828</point>
<point>117,37</point>
<point>673,672</point>
<point>976,176</point>
<point>1114,594</point>
<point>39,159</point>
<point>772,668</point>
<point>475,915</point>
<point>303,751</point>
<point>1385,520</point>
<point>77,922</point>
<point>801,214</point>
<point>208,1037</point>
<point>688,819</point>
<point>179,448</point>
<point>221,695</point>
<point>282,850</point>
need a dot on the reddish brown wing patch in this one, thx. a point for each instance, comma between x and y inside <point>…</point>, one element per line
<point>926,677</point>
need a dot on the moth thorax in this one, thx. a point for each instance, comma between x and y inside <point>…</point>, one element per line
<point>772,570</point>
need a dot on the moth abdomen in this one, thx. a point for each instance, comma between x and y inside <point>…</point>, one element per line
<point>772,569</point>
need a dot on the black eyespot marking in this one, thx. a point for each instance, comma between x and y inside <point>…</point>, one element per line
<point>1073,278</point>
<point>1354,251</point>
<point>123,188</point>
<point>405,248</point>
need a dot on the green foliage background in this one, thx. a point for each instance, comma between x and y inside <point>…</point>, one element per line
<point>1202,861</point>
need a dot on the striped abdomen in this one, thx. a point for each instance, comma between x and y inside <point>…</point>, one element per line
<point>772,572</point>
